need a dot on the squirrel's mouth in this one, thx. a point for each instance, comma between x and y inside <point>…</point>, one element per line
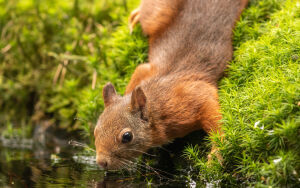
<point>115,163</point>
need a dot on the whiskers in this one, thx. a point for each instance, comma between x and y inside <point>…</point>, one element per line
<point>144,169</point>
<point>78,144</point>
<point>130,167</point>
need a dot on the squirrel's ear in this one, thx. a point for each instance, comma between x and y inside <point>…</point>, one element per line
<point>109,93</point>
<point>138,99</point>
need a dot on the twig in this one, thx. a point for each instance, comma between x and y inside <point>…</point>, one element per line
<point>57,73</point>
<point>5,49</point>
<point>94,79</point>
<point>63,73</point>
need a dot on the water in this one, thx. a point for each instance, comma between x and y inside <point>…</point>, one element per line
<point>23,167</point>
<point>25,164</point>
<point>50,160</point>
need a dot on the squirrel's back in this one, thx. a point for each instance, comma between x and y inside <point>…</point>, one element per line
<point>196,37</point>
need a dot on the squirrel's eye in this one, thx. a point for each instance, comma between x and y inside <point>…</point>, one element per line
<point>127,137</point>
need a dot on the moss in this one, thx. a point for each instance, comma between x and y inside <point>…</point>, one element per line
<point>51,56</point>
<point>259,100</point>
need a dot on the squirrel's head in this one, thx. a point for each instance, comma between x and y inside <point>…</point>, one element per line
<point>123,131</point>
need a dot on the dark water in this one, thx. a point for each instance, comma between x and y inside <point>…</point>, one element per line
<point>23,163</point>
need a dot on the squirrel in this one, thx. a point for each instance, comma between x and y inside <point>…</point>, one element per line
<point>190,43</point>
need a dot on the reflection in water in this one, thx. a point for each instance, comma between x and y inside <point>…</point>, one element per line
<point>113,184</point>
<point>52,161</point>
<point>22,168</point>
<point>61,166</point>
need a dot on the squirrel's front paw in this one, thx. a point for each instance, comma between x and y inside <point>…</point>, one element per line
<point>134,19</point>
<point>215,152</point>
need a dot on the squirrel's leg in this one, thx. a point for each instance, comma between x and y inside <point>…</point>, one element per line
<point>215,152</point>
<point>155,15</point>
<point>142,72</point>
<point>210,121</point>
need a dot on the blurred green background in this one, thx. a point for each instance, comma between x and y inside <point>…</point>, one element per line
<point>56,55</point>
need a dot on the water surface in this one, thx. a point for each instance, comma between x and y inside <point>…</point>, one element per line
<point>23,163</point>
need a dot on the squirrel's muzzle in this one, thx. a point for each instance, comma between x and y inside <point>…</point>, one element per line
<point>102,161</point>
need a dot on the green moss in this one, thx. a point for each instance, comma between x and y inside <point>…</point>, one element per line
<point>259,100</point>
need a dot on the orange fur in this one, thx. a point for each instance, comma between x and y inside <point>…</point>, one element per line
<point>156,15</point>
<point>141,73</point>
<point>190,43</point>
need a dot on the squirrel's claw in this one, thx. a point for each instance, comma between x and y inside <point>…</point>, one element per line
<point>134,19</point>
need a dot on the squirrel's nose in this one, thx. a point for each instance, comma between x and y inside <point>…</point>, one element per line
<point>102,162</point>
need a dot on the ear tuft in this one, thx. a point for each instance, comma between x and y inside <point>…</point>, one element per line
<point>109,93</point>
<point>138,99</point>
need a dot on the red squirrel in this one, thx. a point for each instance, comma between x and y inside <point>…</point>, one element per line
<point>190,43</point>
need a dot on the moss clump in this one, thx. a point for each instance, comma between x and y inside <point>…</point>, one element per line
<point>259,100</point>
